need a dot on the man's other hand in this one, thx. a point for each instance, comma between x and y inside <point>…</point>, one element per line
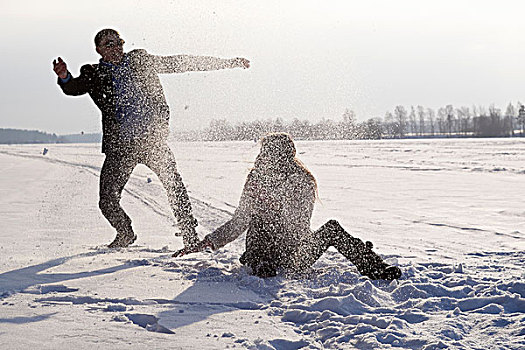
<point>60,68</point>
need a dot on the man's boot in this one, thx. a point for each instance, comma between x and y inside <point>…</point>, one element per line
<point>125,237</point>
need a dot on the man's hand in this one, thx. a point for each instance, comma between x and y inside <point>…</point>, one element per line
<point>60,68</point>
<point>201,246</point>
<point>241,62</point>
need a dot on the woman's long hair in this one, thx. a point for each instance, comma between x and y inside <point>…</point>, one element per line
<point>277,158</point>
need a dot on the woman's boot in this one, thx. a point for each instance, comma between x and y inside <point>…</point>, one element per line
<point>368,263</point>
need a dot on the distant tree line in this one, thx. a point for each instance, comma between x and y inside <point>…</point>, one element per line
<point>454,122</point>
<point>415,122</point>
<point>9,136</point>
<point>325,129</point>
<point>18,136</point>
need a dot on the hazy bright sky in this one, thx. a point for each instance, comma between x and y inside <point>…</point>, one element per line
<point>310,59</point>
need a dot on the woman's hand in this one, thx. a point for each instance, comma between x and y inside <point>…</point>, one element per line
<point>199,247</point>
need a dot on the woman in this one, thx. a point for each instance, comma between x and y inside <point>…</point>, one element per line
<point>275,207</point>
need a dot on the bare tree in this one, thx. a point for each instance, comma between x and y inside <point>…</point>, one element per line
<point>464,116</point>
<point>421,115</point>
<point>349,125</point>
<point>401,120</point>
<point>495,116</point>
<point>412,120</point>
<point>475,112</point>
<point>521,118</point>
<point>431,116</point>
<point>482,111</point>
<point>441,118</point>
<point>510,115</point>
<point>389,128</point>
<point>450,118</point>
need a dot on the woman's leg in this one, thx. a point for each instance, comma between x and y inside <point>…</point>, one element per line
<point>360,254</point>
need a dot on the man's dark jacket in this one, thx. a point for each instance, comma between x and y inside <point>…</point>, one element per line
<point>96,80</point>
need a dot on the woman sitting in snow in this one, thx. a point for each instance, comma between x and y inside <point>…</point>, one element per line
<point>275,207</point>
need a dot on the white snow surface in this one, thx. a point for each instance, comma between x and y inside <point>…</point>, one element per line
<point>450,213</point>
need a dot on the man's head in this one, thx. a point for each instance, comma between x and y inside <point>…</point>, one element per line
<point>109,45</point>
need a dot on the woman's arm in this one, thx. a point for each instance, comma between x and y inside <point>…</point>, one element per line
<point>240,221</point>
<point>232,229</point>
<point>229,231</point>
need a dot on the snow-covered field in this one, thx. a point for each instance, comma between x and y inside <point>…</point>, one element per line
<point>450,213</point>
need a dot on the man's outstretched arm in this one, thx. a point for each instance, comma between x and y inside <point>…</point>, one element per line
<point>188,63</point>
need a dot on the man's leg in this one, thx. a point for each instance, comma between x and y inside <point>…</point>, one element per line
<point>162,162</point>
<point>114,175</point>
<point>368,263</point>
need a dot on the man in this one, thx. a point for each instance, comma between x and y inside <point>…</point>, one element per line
<point>135,123</point>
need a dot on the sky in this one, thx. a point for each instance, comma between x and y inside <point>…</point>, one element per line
<point>310,59</point>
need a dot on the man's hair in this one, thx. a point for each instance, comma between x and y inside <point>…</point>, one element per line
<point>103,33</point>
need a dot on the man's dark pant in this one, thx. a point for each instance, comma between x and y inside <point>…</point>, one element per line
<point>117,170</point>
